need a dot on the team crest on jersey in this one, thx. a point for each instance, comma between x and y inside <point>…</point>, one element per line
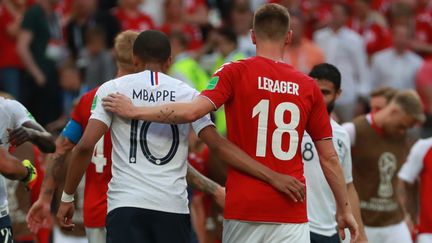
<point>93,106</point>
<point>213,82</point>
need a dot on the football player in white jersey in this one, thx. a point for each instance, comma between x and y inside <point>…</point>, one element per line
<point>16,127</point>
<point>147,198</point>
<point>321,204</point>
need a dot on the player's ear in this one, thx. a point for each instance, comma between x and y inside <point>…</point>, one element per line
<point>338,93</point>
<point>253,36</point>
<point>135,61</point>
<point>288,37</point>
<point>167,64</point>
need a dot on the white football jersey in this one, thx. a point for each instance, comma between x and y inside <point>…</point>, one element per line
<point>13,115</point>
<point>321,204</point>
<point>149,160</point>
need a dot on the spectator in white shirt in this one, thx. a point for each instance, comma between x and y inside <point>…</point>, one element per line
<point>396,66</point>
<point>345,49</point>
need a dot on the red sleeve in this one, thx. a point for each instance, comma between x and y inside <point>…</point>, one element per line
<point>219,89</point>
<point>77,113</point>
<point>318,125</point>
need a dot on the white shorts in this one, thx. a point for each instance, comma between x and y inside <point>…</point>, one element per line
<point>424,238</point>
<point>235,231</point>
<point>96,235</point>
<point>389,234</point>
<point>59,237</point>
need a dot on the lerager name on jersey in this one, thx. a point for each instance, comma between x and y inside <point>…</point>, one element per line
<point>154,96</point>
<point>276,86</point>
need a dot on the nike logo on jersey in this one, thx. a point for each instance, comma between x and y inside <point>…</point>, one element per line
<point>153,96</point>
<point>276,86</point>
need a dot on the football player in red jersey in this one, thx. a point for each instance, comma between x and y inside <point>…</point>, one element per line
<point>268,107</point>
<point>98,173</point>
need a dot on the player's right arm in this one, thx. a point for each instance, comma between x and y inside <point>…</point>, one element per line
<point>408,174</point>
<point>240,160</point>
<point>97,126</point>
<point>172,113</point>
<point>81,157</point>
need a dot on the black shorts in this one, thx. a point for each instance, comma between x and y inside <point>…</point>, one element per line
<point>137,225</point>
<point>6,229</point>
<point>316,238</point>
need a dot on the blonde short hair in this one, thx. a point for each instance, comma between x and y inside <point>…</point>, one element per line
<point>123,49</point>
<point>409,101</point>
<point>271,22</point>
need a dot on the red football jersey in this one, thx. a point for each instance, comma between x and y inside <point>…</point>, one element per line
<point>140,22</point>
<point>268,107</point>
<point>98,173</point>
<point>425,221</point>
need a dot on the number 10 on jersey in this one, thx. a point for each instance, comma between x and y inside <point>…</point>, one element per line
<point>262,111</point>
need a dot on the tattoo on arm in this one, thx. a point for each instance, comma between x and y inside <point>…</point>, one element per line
<point>200,182</point>
<point>56,162</point>
<point>168,116</point>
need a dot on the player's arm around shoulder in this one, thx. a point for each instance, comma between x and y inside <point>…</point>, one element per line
<point>172,113</point>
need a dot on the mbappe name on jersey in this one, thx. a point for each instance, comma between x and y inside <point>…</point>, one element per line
<point>276,86</point>
<point>154,96</point>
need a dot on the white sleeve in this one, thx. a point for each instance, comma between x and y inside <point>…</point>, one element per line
<point>19,113</point>
<point>347,161</point>
<point>414,164</point>
<point>350,129</point>
<point>203,122</point>
<point>97,110</point>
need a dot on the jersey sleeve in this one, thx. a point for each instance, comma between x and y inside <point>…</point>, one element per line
<point>318,126</point>
<point>347,161</point>
<point>350,129</point>
<point>97,110</point>
<point>219,89</point>
<point>19,113</point>
<point>414,164</point>
<point>201,123</point>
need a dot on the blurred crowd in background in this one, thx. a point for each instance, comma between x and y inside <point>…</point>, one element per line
<point>53,51</point>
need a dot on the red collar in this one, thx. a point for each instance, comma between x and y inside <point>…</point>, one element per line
<point>377,129</point>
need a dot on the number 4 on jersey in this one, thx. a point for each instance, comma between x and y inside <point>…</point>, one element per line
<point>98,158</point>
<point>262,110</point>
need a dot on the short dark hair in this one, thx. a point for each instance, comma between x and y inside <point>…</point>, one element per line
<point>326,71</point>
<point>152,46</point>
<point>271,22</point>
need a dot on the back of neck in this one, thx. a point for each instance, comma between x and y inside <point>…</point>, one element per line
<point>270,50</point>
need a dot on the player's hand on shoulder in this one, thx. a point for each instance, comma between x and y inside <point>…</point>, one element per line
<point>347,220</point>
<point>20,135</point>
<point>39,216</point>
<point>120,105</point>
<point>65,214</point>
<point>289,186</point>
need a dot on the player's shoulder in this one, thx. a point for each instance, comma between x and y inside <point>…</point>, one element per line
<point>11,105</point>
<point>422,145</point>
<point>339,131</point>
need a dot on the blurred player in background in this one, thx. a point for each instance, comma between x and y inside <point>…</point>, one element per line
<point>321,204</point>
<point>419,167</point>
<point>379,148</point>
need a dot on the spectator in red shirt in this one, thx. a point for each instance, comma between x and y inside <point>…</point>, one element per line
<point>11,12</point>
<point>422,42</point>
<point>175,20</point>
<point>371,25</point>
<point>130,17</point>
